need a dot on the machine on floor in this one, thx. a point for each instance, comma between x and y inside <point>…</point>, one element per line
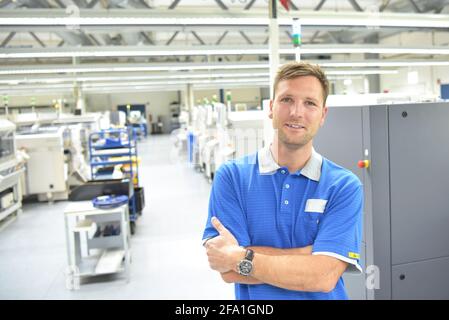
<point>47,172</point>
<point>400,152</point>
<point>11,170</point>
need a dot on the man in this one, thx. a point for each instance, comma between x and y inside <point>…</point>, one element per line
<point>286,223</point>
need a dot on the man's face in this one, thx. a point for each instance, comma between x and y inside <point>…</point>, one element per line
<point>298,111</point>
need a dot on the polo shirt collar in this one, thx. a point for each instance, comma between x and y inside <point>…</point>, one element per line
<point>267,164</point>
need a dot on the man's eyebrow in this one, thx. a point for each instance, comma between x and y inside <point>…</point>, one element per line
<point>286,95</point>
<point>311,98</point>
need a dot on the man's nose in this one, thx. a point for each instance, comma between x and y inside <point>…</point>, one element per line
<point>297,110</point>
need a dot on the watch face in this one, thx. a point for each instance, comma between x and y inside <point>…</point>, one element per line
<point>245,267</point>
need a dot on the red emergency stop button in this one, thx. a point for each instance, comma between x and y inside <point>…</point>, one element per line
<point>363,164</point>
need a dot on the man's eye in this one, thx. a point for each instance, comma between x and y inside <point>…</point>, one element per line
<point>286,100</point>
<point>310,103</point>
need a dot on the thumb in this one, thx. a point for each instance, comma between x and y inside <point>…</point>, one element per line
<point>219,226</point>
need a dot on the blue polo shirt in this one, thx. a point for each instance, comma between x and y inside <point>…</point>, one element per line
<point>262,204</point>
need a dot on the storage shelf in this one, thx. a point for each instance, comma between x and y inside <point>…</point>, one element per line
<point>113,152</point>
<point>104,163</point>
<point>88,266</point>
<point>105,242</point>
<point>99,147</point>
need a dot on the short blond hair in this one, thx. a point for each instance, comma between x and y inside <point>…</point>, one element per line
<point>294,70</point>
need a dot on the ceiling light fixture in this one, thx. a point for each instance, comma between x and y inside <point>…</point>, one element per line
<point>127,18</point>
<point>212,51</point>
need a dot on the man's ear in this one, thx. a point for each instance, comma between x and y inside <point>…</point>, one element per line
<point>270,112</point>
<point>325,109</point>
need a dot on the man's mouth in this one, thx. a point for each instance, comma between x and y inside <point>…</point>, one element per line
<point>295,126</point>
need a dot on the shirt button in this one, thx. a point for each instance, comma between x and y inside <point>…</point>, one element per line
<point>283,171</point>
<point>286,201</point>
<point>287,186</point>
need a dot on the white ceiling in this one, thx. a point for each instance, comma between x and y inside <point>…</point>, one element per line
<point>68,38</point>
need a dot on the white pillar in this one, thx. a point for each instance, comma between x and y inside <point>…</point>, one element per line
<point>274,64</point>
<point>79,98</point>
<point>273,43</point>
<point>190,96</point>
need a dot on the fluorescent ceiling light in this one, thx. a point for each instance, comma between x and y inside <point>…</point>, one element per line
<point>106,68</point>
<point>170,82</point>
<point>360,72</point>
<point>126,77</point>
<point>385,63</point>
<point>130,85</point>
<point>212,50</point>
<point>125,52</point>
<point>131,68</point>
<point>242,78</point>
<point>132,21</point>
<point>126,18</point>
<point>190,78</point>
<point>366,49</point>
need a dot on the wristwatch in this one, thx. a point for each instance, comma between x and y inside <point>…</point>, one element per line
<point>245,266</point>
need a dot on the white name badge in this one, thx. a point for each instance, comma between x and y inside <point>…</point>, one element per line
<point>315,205</point>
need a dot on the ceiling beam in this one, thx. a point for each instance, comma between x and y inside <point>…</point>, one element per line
<point>384,5</point>
<point>37,39</point>
<point>355,5</point>
<point>292,5</point>
<point>333,38</point>
<point>60,4</point>
<point>92,37</point>
<point>5,3</point>
<point>221,4</point>
<point>92,3</point>
<point>314,36</point>
<point>174,4</point>
<point>172,38</point>
<point>250,4</point>
<point>147,38</point>
<point>7,39</point>
<point>415,6</point>
<point>318,7</point>
<point>80,3</point>
<point>198,37</point>
<point>248,40</point>
<point>221,38</point>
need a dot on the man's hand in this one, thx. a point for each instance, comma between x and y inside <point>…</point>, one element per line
<point>223,251</point>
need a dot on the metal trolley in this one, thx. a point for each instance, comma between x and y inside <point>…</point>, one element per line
<point>112,149</point>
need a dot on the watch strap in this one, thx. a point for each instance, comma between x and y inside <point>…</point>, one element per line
<point>249,255</point>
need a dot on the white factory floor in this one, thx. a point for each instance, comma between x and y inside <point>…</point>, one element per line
<point>168,261</point>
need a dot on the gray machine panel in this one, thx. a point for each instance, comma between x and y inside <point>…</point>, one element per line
<point>378,237</point>
<point>341,141</point>
<point>421,280</point>
<point>340,138</point>
<point>419,177</point>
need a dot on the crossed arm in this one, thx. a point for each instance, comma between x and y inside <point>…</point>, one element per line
<point>232,276</point>
<point>293,269</point>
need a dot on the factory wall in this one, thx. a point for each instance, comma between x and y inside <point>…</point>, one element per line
<point>417,80</point>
